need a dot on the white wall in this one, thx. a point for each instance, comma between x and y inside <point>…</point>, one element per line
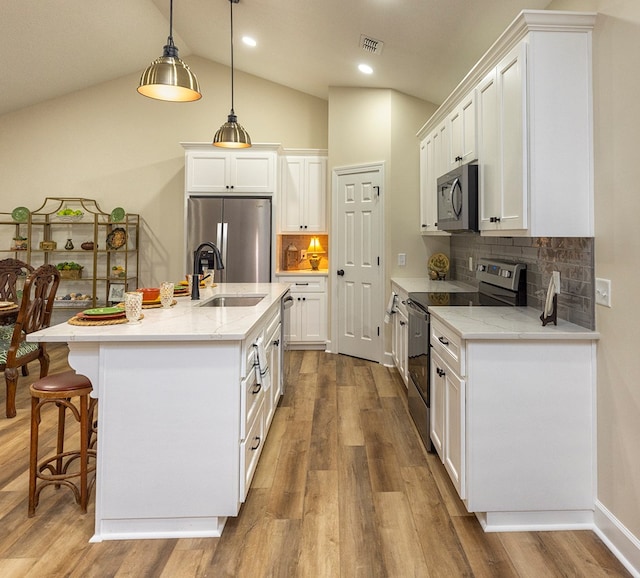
<point>616,46</point>
<point>122,149</point>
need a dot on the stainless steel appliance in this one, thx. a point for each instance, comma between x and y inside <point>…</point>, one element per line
<point>458,199</point>
<point>500,284</point>
<point>240,227</point>
<point>285,352</point>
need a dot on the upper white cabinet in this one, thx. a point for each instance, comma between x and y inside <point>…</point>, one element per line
<point>462,132</point>
<point>534,127</point>
<point>303,194</point>
<point>209,169</point>
<point>434,162</point>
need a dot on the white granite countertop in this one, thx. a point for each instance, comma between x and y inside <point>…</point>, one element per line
<point>185,321</point>
<point>507,323</point>
<point>416,284</point>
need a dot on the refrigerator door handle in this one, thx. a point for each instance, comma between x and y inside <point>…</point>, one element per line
<point>219,236</point>
<point>223,246</point>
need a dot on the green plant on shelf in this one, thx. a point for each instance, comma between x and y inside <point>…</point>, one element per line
<point>69,266</point>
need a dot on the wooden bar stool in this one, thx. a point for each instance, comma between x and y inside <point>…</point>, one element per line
<point>59,389</point>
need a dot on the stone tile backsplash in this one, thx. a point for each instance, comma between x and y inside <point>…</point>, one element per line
<point>572,256</point>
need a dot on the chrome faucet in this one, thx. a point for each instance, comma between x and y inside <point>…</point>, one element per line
<point>217,264</point>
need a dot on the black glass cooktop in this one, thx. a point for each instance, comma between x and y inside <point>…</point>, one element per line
<point>492,296</point>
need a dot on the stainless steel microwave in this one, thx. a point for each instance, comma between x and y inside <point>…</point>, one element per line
<point>458,199</point>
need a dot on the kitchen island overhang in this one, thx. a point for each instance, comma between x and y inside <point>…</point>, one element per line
<point>179,414</point>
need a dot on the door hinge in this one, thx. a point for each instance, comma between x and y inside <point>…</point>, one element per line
<point>378,331</point>
<point>378,261</point>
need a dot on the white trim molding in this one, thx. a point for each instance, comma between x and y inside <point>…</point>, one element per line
<point>619,539</point>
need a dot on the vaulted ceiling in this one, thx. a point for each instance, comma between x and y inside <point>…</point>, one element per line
<point>52,48</point>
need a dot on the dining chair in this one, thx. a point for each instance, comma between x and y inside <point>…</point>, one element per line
<point>36,305</point>
<point>10,272</point>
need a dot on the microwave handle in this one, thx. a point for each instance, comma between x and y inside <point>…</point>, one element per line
<point>456,195</point>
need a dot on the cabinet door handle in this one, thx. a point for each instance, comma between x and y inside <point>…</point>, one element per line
<point>494,219</point>
<point>440,372</point>
<point>443,341</point>
<point>276,342</point>
<point>402,323</point>
<point>257,444</point>
<point>257,389</point>
<point>341,272</point>
<point>302,283</point>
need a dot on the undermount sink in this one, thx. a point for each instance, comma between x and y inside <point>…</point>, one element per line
<point>234,301</point>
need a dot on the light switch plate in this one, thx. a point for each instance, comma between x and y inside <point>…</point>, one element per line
<point>603,292</point>
<point>402,259</point>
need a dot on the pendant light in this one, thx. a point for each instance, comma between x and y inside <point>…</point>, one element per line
<point>231,134</point>
<point>168,78</point>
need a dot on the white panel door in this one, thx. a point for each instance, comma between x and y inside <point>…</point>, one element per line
<point>359,287</point>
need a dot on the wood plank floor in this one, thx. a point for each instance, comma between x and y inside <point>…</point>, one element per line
<point>343,489</point>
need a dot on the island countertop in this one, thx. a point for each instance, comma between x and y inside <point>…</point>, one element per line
<point>186,320</point>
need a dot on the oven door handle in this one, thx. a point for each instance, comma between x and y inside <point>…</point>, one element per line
<point>415,309</point>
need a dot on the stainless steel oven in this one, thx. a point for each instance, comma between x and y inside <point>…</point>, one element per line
<point>419,367</point>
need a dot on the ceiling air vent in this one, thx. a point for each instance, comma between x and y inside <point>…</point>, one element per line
<point>371,45</point>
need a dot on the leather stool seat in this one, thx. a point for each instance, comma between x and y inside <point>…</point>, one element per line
<point>59,389</point>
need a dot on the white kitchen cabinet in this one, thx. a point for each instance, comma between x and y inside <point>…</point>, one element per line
<point>400,334</point>
<point>306,324</point>
<point>213,170</point>
<point>503,198</point>
<point>534,127</point>
<point>513,421</point>
<point>303,194</point>
<point>447,429</point>
<point>462,132</point>
<point>434,162</point>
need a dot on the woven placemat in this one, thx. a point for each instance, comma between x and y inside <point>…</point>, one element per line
<point>88,322</point>
<point>156,305</point>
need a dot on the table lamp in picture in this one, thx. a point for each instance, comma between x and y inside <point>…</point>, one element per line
<point>314,249</point>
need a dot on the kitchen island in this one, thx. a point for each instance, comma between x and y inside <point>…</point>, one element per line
<point>182,412</point>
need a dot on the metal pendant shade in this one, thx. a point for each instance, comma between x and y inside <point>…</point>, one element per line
<point>168,77</point>
<point>231,134</point>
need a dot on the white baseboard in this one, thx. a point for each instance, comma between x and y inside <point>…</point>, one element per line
<point>624,545</point>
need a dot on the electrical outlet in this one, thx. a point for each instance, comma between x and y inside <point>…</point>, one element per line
<point>303,254</point>
<point>402,259</point>
<point>603,292</point>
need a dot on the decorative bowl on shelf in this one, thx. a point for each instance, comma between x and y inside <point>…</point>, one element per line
<point>87,245</point>
<point>70,218</point>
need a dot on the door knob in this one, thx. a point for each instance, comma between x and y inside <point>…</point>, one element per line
<point>341,272</point>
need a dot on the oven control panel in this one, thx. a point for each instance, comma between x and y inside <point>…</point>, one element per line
<point>500,273</point>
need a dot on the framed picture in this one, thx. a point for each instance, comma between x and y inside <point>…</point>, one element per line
<point>116,292</point>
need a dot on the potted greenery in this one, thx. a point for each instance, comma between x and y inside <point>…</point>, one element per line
<point>69,270</point>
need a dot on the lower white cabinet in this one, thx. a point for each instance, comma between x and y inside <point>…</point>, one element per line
<point>448,407</point>
<point>400,334</point>
<point>306,322</point>
<point>513,421</point>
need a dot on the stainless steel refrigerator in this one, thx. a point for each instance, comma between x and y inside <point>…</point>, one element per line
<point>240,228</point>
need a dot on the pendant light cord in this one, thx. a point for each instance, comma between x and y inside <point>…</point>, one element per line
<point>231,2</point>
<point>170,49</point>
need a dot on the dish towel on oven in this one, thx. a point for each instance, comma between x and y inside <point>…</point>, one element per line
<point>391,307</point>
<point>263,376</point>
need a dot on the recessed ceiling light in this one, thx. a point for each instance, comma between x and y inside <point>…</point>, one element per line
<point>249,41</point>
<point>365,68</point>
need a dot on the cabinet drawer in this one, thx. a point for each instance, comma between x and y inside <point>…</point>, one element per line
<point>251,397</point>
<point>448,344</point>
<point>301,284</point>
<point>250,450</point>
